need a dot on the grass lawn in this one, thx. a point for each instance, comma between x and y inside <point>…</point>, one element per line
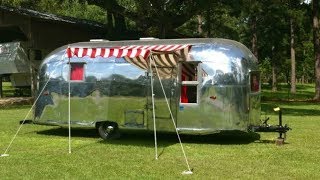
<point>41,152</point>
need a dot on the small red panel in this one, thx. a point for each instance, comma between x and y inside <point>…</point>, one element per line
<point>77,70</point>
<point>255,82</point>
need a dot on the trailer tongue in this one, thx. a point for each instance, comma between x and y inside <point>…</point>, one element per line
<point>280,128</point>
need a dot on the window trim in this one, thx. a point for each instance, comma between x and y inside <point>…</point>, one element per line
<point>190,83</point>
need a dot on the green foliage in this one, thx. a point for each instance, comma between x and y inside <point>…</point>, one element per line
<point>233,19</point>
<point>72,8</point>
<point>76,9</point>
<point>266,72</point>
<point>221,21</point>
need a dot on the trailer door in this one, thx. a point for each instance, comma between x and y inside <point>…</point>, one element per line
<point>167,77</point>
<point>190,76</point>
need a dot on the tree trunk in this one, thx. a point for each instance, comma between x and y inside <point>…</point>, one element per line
<point>293,58</point>
<point>109,24</point>
<point>162,30</point>
<point>274,78</point>
<point>200,21</point>
<point>208,22</point>
<point>316,42</point>
<point>254,39</point>
<point>119,23</point>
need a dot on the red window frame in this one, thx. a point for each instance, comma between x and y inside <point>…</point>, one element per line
<point>255,82</point>
<point>76,71</point>
<point>189,83</point>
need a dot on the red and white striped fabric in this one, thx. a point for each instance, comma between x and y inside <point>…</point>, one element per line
<point>164,56</point>
<point>123,51</point>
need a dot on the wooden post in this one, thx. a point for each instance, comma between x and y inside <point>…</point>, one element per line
<point>31,57</point>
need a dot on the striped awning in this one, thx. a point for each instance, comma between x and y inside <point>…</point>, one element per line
<point>163,55</point>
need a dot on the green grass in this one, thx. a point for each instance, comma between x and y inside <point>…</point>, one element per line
<point>41,152</point>
<point>304,92</point>
<point>10,91</point>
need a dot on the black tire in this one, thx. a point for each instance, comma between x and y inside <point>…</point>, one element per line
<point>108,130</point>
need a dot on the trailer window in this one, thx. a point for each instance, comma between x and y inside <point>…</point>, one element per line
<point>189,82</point>
<point>77,71</point>
<point>255,81</point>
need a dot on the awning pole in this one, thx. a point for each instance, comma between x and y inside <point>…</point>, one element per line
<point>69,106</point>
<point>22,123</point>
<point>153,111</point>
<point>189,171</point>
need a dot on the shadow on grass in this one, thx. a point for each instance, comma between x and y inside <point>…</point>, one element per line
<point>223,138</point>
<point>266,141</point>
<point>146,138</point>
<point>268,107</point>
<point>75,132</point>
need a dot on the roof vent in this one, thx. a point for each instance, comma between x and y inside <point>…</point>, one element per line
<point>148,39</point>
<point>98,40</point>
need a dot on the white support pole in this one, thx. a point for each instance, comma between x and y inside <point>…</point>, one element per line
<point>153,112</point>
<point>69,107</point>
<point>34,103</point>
<point>189,171</point>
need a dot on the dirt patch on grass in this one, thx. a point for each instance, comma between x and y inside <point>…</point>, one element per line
<point>4,102</point>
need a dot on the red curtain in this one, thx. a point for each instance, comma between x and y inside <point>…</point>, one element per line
<point>184,97</point>
<point>255,84</point>
<point>76,72</point>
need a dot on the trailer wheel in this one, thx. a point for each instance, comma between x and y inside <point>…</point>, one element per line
<point>108,130</point>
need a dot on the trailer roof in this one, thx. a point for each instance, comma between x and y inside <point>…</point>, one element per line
<point>229,47</point>
<point>147,41</point>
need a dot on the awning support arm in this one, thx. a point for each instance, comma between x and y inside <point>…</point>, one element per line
<point>172,118</point>
<point>153,111</point>
<point>69,106</point>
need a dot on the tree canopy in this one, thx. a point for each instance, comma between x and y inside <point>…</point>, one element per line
<point>284,35</point>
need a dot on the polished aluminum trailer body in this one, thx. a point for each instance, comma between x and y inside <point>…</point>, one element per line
<point>219,90</point>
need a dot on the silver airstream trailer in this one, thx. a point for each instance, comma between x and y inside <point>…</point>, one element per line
<point>210,85</point>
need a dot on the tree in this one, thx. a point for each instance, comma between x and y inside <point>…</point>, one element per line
<point>316,44</point>
<point>159,18</point>
<point>275,30</point>
<point>251,14</point>
<point>273,37</point>
<point>294,14</point>
<point>293,57</point>
<point>72,8</point>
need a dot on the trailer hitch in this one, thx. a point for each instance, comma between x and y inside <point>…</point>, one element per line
<point>280,128</point>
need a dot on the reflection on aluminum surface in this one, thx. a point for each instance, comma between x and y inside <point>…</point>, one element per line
<point>115,90</point>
